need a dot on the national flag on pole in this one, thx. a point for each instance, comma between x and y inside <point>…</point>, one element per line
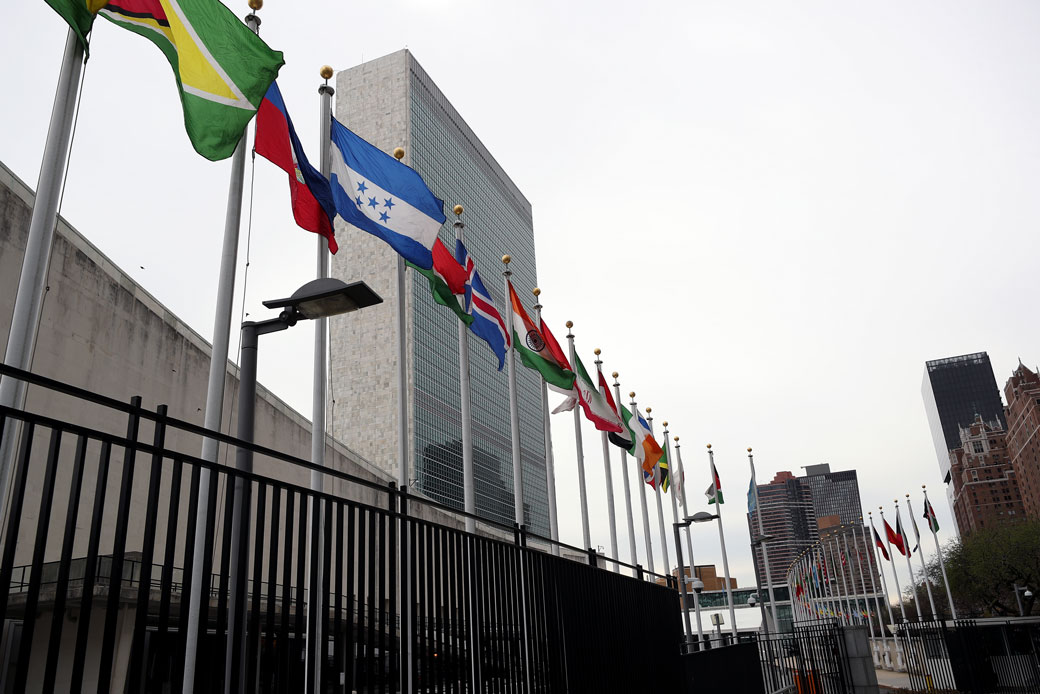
<point>447,281</point>
<point>843,562</point>
<point>551,343</point>
<point>380,195</point>
<point>917,533</point>
<point>905,543</point>
<point>277,142</point>
<point>222,68</point>
<point>487,323</point>
<point>623,438</point>
<point>597,409</point>
<point>663,470</point>
<point>714,492</point>
<point>880,544</point>
<point>894,537</point>
<point>929,514</point>
<point>644,447</point>
<point>751,497</point>
<point>533,351</point>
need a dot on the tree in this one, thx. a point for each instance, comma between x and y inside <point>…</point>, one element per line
<point>983,569</point>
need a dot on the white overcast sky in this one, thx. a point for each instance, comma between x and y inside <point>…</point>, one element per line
<point>768,215</point>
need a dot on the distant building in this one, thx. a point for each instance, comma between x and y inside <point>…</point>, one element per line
<point>789,518</point>
<point>955,389</point>
<point>985,489</point>
<point>1022,392</point>
<point>798,511</point>
<point>391,101</point>
<point>708,574</point>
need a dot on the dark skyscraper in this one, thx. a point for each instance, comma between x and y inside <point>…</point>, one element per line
<point>956,389</point>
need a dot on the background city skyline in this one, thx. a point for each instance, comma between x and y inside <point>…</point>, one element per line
<point>807,203</point>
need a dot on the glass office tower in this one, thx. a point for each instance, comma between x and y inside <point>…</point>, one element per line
<point>955,389</point>
<point>392,102</point>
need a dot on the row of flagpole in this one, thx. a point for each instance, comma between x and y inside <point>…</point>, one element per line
<point>816,592</point>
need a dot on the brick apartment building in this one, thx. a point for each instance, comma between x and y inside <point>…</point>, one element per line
<point>985,485</point>
<point>1022,393</point>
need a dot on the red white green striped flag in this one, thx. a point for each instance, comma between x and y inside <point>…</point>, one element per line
<point>929,515</point>
<point>714,492</point>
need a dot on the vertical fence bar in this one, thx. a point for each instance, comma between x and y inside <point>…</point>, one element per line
<point>284,651</point>
<point>252,657</point>
<point>223,630</point>
<point>61,589</point>
<point>353,623</point>
<point>147,549</point>
<point>301,582</point>
<point>339,683</point>
<point>326,581</point>
<point>391,583</point>
<point>382,572</point>
<point>39,549</point>
<point>189,569</point>
<point>407,593</point>
<point>270,664</point>
<point>170,550</point>
<point>115,581</point>
<point>14,518</point>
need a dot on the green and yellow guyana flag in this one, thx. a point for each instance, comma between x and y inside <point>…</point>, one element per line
<point>222,68</point>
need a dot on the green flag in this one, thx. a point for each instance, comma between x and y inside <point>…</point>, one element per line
<point>442,294</point>
<point>222,68</point>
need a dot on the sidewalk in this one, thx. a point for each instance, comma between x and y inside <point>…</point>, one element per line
<point>888,680</point>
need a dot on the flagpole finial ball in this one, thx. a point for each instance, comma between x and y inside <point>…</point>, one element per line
<point>398,153</point>
<point>649,410</point>
<point>457,210</point>
<point>749,449</point>
<point>596,351</point>
<point>664,423</point>
<point>709,445</point>
<point>632,394</point>
<point>570,324</point>
<point>614,375</point>
<point>326,70</point>
<point>536,291</point>
<point>255,4</point>
<point>506,259</point>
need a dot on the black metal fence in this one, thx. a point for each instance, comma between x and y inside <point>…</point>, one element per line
<point>972,656</point>
<point>363,588</point>
<point>812,658</point>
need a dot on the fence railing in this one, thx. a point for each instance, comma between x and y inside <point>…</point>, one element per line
<point>99,553</point>
<point>972,656</point>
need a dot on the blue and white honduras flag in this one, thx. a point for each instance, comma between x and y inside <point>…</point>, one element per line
<point>380,195</point>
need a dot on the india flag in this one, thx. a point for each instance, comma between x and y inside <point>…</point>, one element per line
<point>533,351</point>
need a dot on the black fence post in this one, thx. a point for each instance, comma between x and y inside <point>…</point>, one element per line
<point>592,557</point>
<point>407,593</point>
<point>639,571</point>
<point>391,581</point>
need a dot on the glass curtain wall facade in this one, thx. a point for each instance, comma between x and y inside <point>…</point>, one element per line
<point>460,170</point>
<point>955,389</point>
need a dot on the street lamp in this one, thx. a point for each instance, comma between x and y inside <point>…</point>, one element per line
<point>1025,593</point>
<point>697,585</point>
<point>318,298</point>
<point>701,517</point>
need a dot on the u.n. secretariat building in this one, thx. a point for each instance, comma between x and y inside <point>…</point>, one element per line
<point>392,102</point>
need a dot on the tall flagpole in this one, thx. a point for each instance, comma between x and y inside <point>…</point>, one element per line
<point>469,500</point>
<point>863,587</point>
<point>938,552</point>
<point>685,508</point>
<point>634,558</point>
<point>884,587</point>
<point>402,364</point>
<point>842,592</point>
<point>642,496</point>
<point>693,561</point>
<point>909,566</point>
<point>873,589</point>
<point>660,504</point>
<point>895,574</point>
<point>608,478</point>
<point>514,413</point>
<point>550,463</point>
<point>722,544</point>
<point>215,385</point>
<point>321,328</point>
<point>920,554</point>
<point>847,564</point>
<point>762,532</point>
<point>675,501</point>
<point>32,282</point>
<point>580,455</point>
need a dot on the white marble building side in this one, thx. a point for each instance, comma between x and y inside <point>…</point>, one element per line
<point>363,368</point>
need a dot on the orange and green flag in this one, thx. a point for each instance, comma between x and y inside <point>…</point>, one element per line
<point>221,67</point>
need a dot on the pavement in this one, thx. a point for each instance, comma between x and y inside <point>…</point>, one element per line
<point>892,681</point>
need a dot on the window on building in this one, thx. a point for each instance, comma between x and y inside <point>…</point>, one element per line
<point>977,446</point>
